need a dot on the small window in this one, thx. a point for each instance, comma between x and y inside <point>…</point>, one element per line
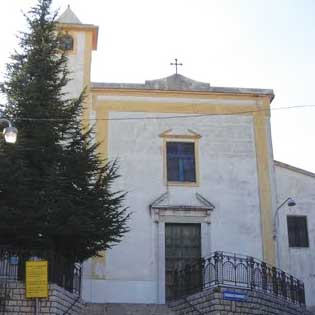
<point>297,231</point>
<point>181,162</point>
<point>66,42</point>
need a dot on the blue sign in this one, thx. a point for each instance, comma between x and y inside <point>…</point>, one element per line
<point>234,296</point>
<point>14,260</point>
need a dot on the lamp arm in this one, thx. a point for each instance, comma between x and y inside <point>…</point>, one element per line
<point>276,215</point>
<point>278,208</point>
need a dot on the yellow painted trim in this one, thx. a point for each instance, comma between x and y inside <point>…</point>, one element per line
<point>183,184</point>
<point>167,134</point>
<point>197,165</point>
<point>196,134</point>
<point>102,132</point>
<point>175,108</point>
<point>264,180</point>
<point>180,137</point>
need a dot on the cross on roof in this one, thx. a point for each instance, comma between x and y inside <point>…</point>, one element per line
<point>176,64</point>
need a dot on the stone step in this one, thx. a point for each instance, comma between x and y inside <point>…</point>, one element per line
<point>126,309</point>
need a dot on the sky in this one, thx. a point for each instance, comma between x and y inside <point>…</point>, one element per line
<point>233,43</point>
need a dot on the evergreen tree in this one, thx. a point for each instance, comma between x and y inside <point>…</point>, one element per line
<point>55,192</point>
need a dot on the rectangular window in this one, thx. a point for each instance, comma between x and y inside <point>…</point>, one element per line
<point>297,231</point>
<point>181,162</point>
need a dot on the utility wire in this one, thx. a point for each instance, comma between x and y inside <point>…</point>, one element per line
<point>170,117</point>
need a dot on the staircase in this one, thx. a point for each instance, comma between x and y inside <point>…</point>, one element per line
<point>126,309</point>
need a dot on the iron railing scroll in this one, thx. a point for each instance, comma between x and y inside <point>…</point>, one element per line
<point>234,270</point>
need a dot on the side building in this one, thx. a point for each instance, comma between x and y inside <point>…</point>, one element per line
<point>295,225</point>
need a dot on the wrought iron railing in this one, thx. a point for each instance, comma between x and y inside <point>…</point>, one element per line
<point>60,270</point>
<point>233,270</point>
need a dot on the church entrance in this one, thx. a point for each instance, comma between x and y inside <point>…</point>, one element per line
<point>182,247</point>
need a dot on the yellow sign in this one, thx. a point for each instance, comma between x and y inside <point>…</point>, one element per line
<point>37,279</point>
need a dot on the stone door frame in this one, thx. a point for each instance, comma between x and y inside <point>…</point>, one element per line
<point>160,245</point>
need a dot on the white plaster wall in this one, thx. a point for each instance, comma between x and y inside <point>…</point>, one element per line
<point>300,262</point>
<point>228,178</point>
<point>76,66</point>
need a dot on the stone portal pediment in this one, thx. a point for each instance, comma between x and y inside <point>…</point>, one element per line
<point>200,208</point>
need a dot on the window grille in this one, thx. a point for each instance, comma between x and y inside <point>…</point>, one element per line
<point>297,231</point>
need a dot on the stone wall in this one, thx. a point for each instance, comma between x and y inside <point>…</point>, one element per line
<point>211,302</point>
<point>60,301</point>
<point>126,309</point>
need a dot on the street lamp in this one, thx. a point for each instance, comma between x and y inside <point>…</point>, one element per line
<point>291,203</point>
<point>10,133</point>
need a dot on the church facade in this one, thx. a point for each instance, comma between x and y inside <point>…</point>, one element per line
<point>197,163</point>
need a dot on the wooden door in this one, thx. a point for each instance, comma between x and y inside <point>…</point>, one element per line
<point>182,247</point>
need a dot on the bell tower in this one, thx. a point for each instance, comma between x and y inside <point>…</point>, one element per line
<point>78,40</point>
